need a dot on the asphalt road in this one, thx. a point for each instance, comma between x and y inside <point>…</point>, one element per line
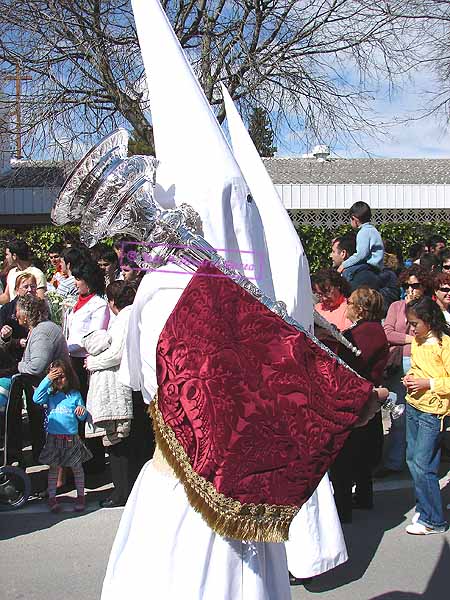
<point>63,557</point>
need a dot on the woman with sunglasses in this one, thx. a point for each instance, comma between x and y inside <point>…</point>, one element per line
<point>13,337</point>
<point>444,257</point>
<point>25,284</point>
<point>415,283</point>
<point>441,290</point>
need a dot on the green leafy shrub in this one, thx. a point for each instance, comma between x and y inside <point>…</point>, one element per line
<point>316,240</point>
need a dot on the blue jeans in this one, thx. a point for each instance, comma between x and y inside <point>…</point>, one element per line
<point>395,454</point>
<point>423,455</point>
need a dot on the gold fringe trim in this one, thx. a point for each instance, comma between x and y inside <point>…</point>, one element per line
<point>225,516</point>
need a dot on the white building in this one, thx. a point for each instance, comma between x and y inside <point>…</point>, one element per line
<point>317,190</point>
<point>28,190</point>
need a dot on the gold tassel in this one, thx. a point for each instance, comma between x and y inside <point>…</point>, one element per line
<point>225,516</point>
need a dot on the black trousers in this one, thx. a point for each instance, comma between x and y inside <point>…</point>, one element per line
<point>35,413</point>
<point>97,463</point>
<point>354,465</point>
<point>129,456</point>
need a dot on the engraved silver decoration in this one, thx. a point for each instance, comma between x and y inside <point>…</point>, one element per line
<point>115,195</point>
<point>77,190</point>
<point>123,202</point>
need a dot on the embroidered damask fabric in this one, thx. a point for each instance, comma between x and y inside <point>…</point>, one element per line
<point>250,412</point>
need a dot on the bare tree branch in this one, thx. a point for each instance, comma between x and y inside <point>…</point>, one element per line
<point>311,64</point>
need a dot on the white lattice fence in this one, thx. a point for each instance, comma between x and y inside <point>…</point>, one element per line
<point>331,219</point>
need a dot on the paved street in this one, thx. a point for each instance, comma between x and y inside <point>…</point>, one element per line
<point>47,557</point>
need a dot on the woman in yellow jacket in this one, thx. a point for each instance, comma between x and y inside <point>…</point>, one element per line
<point>428,402</point>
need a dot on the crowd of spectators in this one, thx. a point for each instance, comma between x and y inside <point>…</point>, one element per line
<point>76,309</point>
<point>72,311</point>
<point>367,294</point>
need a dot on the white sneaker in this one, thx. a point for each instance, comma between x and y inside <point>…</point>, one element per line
<point>419,529</point>
<point>415,517</point>
<point>448,507</point>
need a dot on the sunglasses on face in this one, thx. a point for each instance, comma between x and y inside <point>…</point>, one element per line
<point>445,290</point>
<point>413,286</point>
<point>446,267</point>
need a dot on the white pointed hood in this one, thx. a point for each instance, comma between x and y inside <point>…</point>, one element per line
<point>197,165</point>
<point>288,262</point>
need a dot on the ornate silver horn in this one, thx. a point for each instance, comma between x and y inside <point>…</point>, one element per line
<point>123,203</point>
<point>84,179</point>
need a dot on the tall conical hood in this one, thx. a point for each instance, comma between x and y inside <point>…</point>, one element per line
<point>197,166</point>
<point>288,262</point>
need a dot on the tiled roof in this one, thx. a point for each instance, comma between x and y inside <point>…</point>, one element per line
<point>36,174</point>
<point>293,171</point>
<point>359,171</point>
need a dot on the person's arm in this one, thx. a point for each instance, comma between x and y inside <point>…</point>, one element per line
<point>362,249</point>
<point>41,283</point>
<point>395,338</point>
<point>96,322</point>
<point>3,316</point>
<point>41,393</point>
<point>441,385</point>
<point>40,351</point>
<point>110,357</point>
<point>377,398</point>
<point>80,409</point>
<point>98,319</point>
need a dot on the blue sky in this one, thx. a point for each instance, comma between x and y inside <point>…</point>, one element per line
<point>406,135</point>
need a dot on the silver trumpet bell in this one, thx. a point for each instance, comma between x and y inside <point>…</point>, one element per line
<point>112,194</point>
<point>86,176</point>
<point>123,203</point>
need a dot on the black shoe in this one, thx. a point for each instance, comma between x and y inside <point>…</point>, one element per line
<point>111,503</point>
<point>95,469</point>
<point>298,580</point>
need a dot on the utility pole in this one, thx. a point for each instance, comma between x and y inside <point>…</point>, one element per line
<point>18,78</point>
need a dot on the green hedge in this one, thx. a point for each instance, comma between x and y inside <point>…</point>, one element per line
<point>316,240</point>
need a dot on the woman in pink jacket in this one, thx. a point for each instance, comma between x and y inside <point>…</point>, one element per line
<point>415,282</point>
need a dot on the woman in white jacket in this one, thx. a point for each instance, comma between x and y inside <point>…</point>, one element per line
<point>110,403</point>
<point>90,313</point>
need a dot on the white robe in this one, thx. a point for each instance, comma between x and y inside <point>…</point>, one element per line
<point>164,550</point>
<point>162,544</point>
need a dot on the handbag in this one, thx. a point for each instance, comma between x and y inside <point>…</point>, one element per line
<point>394,361</point>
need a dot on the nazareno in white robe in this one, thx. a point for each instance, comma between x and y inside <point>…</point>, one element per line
<point>163,548</point>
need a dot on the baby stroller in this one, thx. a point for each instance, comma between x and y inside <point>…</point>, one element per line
<point>15,484</point>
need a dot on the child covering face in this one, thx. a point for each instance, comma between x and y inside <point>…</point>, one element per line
<point>63,447</point>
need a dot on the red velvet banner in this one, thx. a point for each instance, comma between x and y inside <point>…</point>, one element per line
<point>258,407</point>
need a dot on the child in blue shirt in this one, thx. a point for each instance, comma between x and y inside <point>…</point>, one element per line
<point>59,391</point>
<point>369,245</point>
